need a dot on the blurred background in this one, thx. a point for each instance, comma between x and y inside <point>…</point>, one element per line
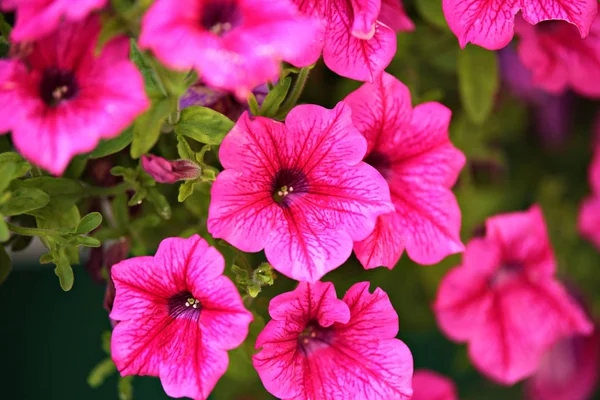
<point>521,152</point>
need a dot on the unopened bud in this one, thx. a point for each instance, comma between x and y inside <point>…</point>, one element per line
<point>165,171</point>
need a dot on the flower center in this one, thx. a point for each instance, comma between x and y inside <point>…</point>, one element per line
<point>57,86</point>
<point>184,305</point>
<point>506,273</point>
<point>314,337</point>
<point>380,162</point>
<point>288,181</point>
<point>220,16</point>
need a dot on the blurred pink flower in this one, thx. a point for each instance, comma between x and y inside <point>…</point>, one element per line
<point>178,315</point>
<point>317,347</point>
<point>568,371</point>
<point>167,171</point>
<point>60,100</point>
<point>505,301</point>
<point>559,59</point>
<point>357,38</point>
<point>37,18</point>
<point>589,212</point>
<point>491,23</point>
<point>297,190</point>
<point>235,45</point>
<point>411,149</point>
<point>429,385</point>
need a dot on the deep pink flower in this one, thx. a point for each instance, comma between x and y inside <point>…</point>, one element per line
<point>429,385</point>
<point>317,347</point>
<point>568,371</point>
<point>299,190</point>
<point>357,38</point>
<point>234,45</point>
<point>411,149</point>
<point>589,213</point>
<point>559,59</point>
<point>166,171</point>
<point>60,100</point>
<point>491,23</point>
<point>505,301</point>
<point>178,315</point>
<point>37,18</point>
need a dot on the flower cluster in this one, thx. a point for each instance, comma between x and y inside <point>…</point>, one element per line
<point>206,95</point>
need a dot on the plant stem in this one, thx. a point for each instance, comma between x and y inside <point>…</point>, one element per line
<point>294,93</point>
<point>96,191</point>
<point>24,231</point>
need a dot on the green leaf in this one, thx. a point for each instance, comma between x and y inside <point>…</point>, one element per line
<point>146,128</point>
<point>4,232</point>
<point>87,241</point>
<point>101,372</point>
<point>478,81</point>
<point>120,211</point>
<point>111,28</point>
<point>160,203</point>
<point>21,243</point>
<point>64,272</point>
<point>63,194</point>
<point>253,105</point>
<point>139,59</point>
<point>89,223</point>
<point>106,336</point>
<point>203,125</point>
<point>13,158</point>
<point>5,265</point>
<point>275,97</point>
<point>112,146</point>
<point>431,11</point>
<point>7,172</point>
<point>185,190</point>
<point>184,149</point>
<point>47,258</point>
<point>24,200</point>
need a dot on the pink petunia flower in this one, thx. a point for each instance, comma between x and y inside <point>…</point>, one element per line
<point>166,171</point>
<point>357,39</point>
<point>297,190</point>
<point>491,23</point>
<point>234,45</point>
<point>568,371</point>
<point>178,315</point>
<point>589,212</point>
<point>559,59</point>
<point>317,347</point>
<point>60,99</point>
<point>505,301</point>
<point>411,149</point>
<point>429,385</point>
<point>37,18</point>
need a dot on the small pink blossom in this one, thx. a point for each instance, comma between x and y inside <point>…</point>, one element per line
<point>178,315</point>
<point>505,301</point>
<point>61,99</point>
<point>37,18</point>
<point>317,347</point>
<point>297,190</point>
<point>559,59</point>
<point>491,23</point>
<point>165,171</point>
<point>568,371</point>
<point>234,45</point>
<point>357,38</point>
<point>411,149</point>
<point>429,385</point>
<point>589,213</point>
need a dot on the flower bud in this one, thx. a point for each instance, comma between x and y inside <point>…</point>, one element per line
<point>165,171</point>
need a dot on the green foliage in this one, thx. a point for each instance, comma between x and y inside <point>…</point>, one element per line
<point>203,125</point>
<point>275,98</point>
<point>478,81</point>
<point>108,147</point>
<point>5,264</point>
